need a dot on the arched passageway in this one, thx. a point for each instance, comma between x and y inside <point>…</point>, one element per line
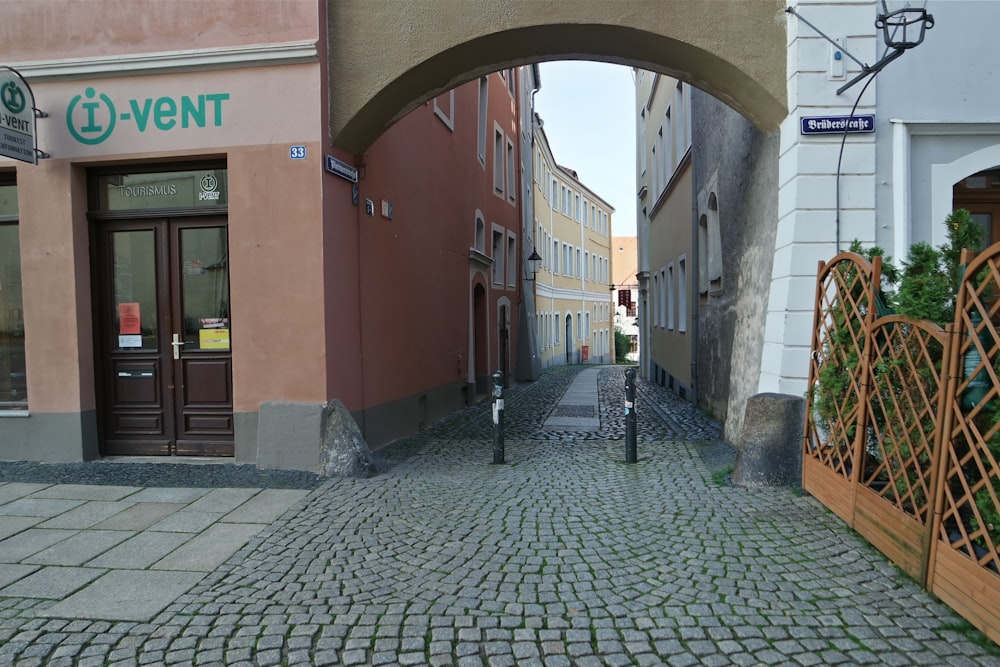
<point>733,49</point>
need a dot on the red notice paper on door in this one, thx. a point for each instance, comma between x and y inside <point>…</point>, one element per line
<point>128,318</point>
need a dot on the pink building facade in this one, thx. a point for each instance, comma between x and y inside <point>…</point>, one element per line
<point>192,248</point>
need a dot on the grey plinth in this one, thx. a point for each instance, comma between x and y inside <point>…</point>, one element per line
<point>310,436</point>
<point>769,452</point>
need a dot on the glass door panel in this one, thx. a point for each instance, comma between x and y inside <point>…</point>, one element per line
<point>202,359</point>
<point>166,365</point>
<point>134,290</point>
<point>137,402</point>
<point>205,288</point>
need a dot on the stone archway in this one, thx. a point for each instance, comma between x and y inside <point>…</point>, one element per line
<point>388,57</point>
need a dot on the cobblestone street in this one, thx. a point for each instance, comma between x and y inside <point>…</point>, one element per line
<point>564,555</point>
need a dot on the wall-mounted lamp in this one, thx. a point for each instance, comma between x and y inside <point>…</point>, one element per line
<point>533,261</point>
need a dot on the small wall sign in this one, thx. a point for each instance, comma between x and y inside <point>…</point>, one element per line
<point>837,124</point>
<point>342,169</point>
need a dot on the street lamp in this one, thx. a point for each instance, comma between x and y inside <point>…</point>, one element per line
<point>533,261</point>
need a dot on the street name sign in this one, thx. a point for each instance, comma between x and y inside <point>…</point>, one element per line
<point>837,124</point>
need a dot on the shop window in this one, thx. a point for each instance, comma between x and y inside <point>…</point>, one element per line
<point>13,380</point>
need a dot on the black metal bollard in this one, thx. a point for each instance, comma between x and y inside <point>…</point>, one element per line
<point>630,452</point>
<point>498,417</point>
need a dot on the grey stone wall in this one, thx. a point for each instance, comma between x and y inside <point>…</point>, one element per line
<point>743,163</point>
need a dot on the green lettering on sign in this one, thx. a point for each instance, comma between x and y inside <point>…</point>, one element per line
<point>92,118</point>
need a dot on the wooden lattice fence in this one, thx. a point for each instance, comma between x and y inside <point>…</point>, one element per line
<point>902,434</point>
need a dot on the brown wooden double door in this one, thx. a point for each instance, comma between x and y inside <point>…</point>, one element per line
<point>165,360</point>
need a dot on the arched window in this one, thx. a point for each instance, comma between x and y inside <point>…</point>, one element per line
<point>714,245</point>
<point>480,233</point>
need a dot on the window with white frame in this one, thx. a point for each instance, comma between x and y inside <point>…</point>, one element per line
<point>586,265</point>
<point>556,326</point>
<point>682,294</point>
<point>714,258</point>
<point>498,258</point>
<point>586,213</point>
<point>670,296</point>
<point>498,160</point>
<point>663,298</point>
<point>668,147</point>
<point>576,208</point>
<point>483,99</point>
<point>567,195</point>
<point>511,181</point>
<point>655,297</point>
<point>554,199</point>
<point>685,108</point>
<point>642,142</point>
<point>480,238</point>
<point>511,259</point>
<point>655,163</point>
<point>576,265</point>
<point>444,109</point>
<point>555,256</point>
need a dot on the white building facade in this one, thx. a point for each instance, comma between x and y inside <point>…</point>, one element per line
<point>936,116</point>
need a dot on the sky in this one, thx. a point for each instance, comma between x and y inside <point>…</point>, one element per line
<point>589,113</point>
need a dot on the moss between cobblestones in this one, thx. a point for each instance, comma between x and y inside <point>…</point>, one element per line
<point>973,635</point>
<point>721,477</point>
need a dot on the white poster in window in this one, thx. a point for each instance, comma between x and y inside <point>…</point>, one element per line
<point>129,340</point>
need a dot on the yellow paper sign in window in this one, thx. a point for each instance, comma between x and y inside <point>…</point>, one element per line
<point>213,339</point>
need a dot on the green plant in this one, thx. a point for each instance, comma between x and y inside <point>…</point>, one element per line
<point>925,288</point>
<point>622,345</point>
<point>834,396</point>
<point>963,232</point>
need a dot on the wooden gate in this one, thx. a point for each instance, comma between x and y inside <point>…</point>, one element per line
<point>902,432</point>
<point>845,307</point>
<point>964,560</point>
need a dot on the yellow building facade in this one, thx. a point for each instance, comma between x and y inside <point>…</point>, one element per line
<point>668,261</point>
<point>573,307</point>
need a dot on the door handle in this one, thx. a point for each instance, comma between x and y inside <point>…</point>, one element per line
<point>177,342</point>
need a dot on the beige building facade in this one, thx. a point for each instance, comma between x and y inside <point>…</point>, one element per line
<point>668,268</point>
<point>573,307</point>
